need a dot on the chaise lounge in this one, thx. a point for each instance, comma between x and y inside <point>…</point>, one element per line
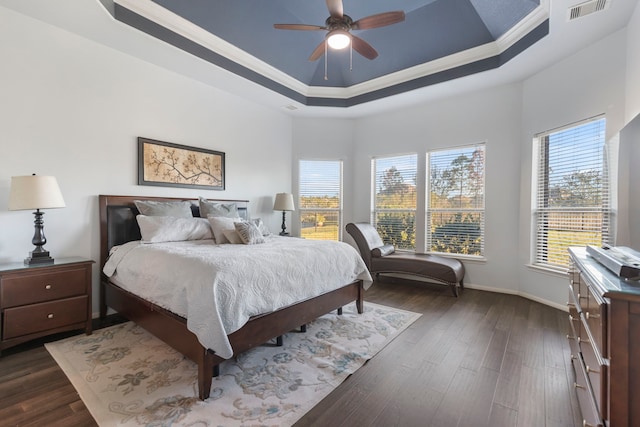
<point>381,258</point>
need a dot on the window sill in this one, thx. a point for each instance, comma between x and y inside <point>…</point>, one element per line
<point>548,270</point>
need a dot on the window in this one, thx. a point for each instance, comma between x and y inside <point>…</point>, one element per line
<point>571,192</point>
<point>394,199</point>
<point>320,203</point>
<point>455,200</point>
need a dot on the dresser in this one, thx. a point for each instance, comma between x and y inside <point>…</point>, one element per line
<point>44,299</point>
<point>604,318</point>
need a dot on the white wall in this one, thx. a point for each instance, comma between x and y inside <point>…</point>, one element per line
<point>633,66</point>
<point>586,84</point>
<point>491,116</point>
<point>324,139</point>
<point>73,109</point>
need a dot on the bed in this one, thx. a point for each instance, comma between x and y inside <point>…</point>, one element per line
<point>118,226</point>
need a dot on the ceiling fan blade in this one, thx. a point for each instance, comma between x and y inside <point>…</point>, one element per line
<point>335,8</point>
<point>363,48</point>
<point>302,27</point>
<point>379,20</point>
<point>318,52</point>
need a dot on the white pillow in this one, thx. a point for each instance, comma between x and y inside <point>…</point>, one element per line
<point>219,224</point>
<point>155,229</point>
<point>261,226</point>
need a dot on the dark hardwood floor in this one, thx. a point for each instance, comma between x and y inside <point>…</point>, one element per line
<point>483,359</point>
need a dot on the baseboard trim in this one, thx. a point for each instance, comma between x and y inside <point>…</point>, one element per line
<point>390,279</point>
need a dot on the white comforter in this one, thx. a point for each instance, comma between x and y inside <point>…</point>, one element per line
<point>219,287</point>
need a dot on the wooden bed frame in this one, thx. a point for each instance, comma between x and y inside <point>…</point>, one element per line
<point>118,225</point>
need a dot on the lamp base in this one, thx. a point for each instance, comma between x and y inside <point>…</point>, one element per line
<point>283,233</point>
<point>38,257</point>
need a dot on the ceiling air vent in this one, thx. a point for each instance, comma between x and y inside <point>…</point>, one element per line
<point>587,8</point>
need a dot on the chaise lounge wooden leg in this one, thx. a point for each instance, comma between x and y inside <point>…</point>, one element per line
<point>303,328</point>
<point>454,289</point>
<point>340,311</point>
<point>279,341</point>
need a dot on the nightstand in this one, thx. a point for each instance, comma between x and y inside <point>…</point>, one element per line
<point>40,300</point>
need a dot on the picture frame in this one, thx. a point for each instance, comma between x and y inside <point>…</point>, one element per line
<point>173,165</point>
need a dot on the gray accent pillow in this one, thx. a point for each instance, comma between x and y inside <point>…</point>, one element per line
<point>155,229</point>
<point>207,208</point>
<point>383,251</point>
<point>181,209</point>
<point>249,233</point>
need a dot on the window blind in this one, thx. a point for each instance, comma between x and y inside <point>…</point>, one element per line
<point>320,199</point>
<point>394,199</point>
<point>571,192</point>
<point>455,212</point>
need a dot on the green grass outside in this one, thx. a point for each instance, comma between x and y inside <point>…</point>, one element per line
<point>559,241</point>
<point>326,232</point>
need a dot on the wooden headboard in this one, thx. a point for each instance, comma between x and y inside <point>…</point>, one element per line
<point>118,224</point>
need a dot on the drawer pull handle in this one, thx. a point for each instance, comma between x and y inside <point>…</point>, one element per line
<point>569,337</point>
<point>47,287</point>
<point>50,316</point>
<point>576,385</point>
<point>586,424</point>
<point>592,370</point>
<point>592,316</point>
<point>585,340</point>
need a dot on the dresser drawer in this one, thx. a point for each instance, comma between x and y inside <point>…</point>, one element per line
<point>590,415</point>
<point>596,371</point>
<point>574,334</point>
<point>39,317</point>
<point>45,286</point>
<point>595,313</point>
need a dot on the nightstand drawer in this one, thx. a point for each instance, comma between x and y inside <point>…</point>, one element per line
<point>32,288</point>
<point>45,316</point>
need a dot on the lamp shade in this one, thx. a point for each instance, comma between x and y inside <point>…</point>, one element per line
<point>34,192</point>
<point>284,202</point>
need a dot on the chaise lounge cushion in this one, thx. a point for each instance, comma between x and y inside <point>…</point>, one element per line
<point>381,258</point>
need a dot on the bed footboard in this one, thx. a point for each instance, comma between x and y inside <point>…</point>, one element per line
<point>172,329</point>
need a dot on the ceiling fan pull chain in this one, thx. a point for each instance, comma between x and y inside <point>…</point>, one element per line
<point>350,56</point>
<point>325,59</point>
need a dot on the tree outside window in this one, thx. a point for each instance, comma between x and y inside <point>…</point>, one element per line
<point>455,211</point>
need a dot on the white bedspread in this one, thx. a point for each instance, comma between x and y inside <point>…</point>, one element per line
<point>219,287</point>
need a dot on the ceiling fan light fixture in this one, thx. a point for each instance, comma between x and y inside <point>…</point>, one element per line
<point>338,39</point>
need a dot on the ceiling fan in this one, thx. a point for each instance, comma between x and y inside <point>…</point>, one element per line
<point>339,26</point>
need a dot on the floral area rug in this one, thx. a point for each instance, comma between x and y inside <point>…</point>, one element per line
<point>127,377</point>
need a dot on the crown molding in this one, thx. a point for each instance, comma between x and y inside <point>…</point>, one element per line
<point>182,27</point>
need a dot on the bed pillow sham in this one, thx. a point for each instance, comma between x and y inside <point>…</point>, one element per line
<point>219,224</point>
<point>180,208</point>
<point>229,210</point>
<point>232,236</point>
<point>156,229</point>
<point>261,226</point>
<point>249,233</point>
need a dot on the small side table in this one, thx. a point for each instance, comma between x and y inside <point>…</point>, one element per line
<point>41,300</point>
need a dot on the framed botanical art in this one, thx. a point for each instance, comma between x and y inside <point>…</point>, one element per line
<point>173,165</point>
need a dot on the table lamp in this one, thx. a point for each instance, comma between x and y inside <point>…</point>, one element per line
<point>36,192</point>
<point>284,203</point>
